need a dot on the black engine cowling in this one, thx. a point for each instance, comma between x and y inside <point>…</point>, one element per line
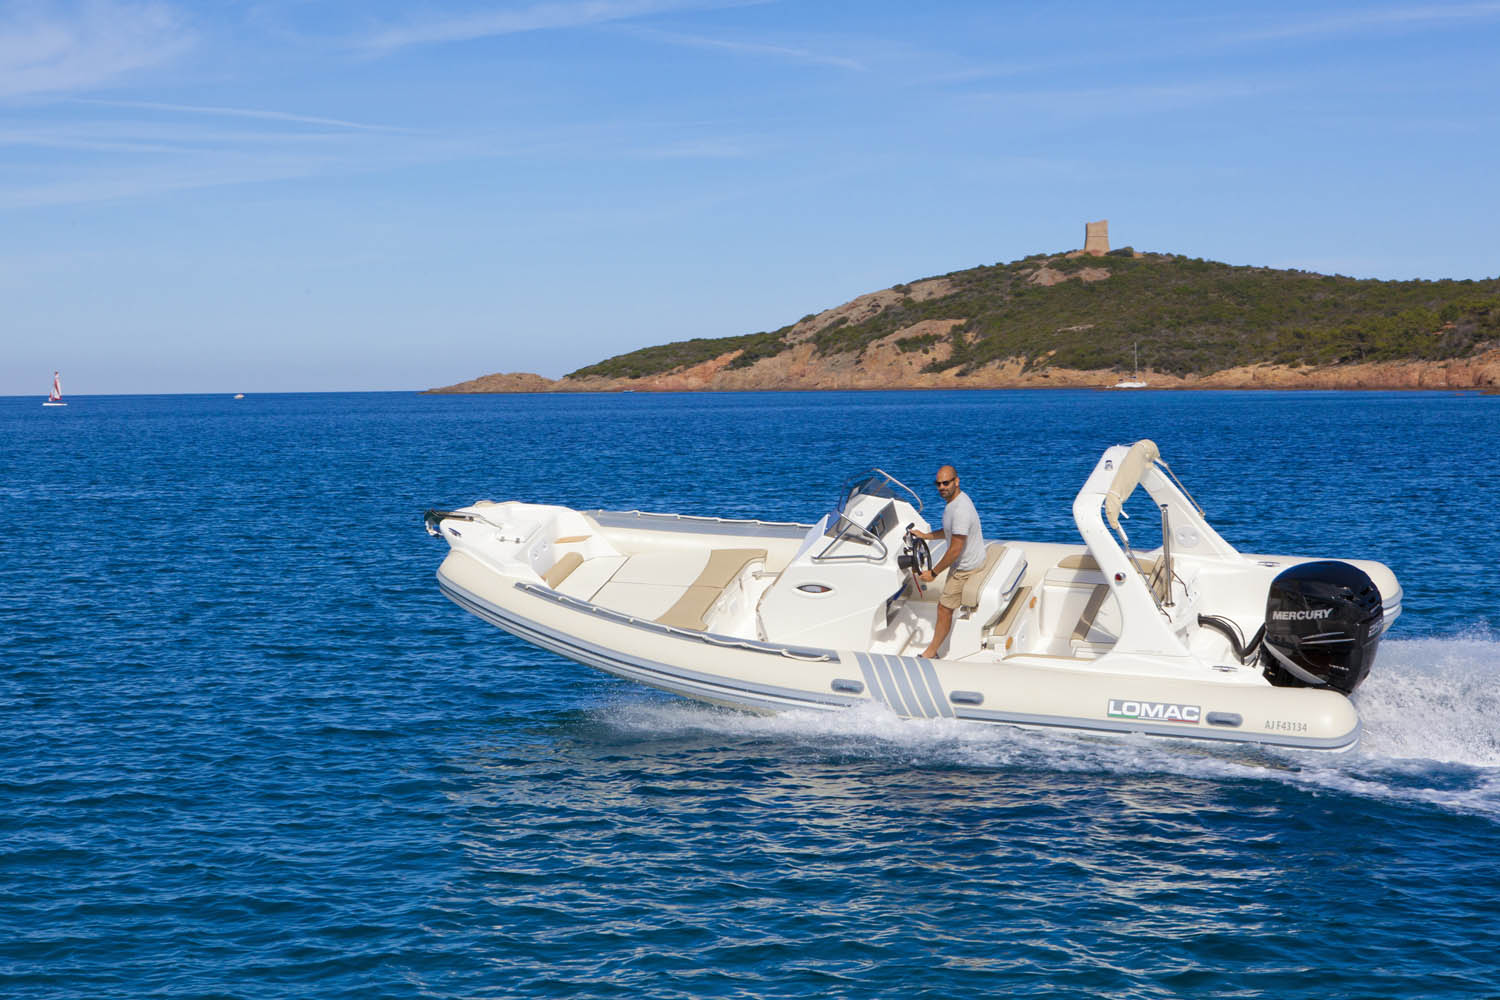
<point>1323,622</point>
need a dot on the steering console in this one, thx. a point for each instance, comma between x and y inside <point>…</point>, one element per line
<point>917,557</point>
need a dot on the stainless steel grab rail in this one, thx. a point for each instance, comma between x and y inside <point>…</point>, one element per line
<point>842,535</point>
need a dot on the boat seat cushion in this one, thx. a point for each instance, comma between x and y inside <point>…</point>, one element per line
<point>999,559</point>
<point>561,569</point>
<point>1086,562</point>
<point>585,581</point>
<point>1012,612</point>
<point>638,600</point>
<point>691,609</point>
<point>663,567</point>
<point>1090,612</point>
<point>723,567</point>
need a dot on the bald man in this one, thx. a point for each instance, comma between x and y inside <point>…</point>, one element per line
<point>963,558</point>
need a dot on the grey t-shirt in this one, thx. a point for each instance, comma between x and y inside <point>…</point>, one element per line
<point>960,518</point>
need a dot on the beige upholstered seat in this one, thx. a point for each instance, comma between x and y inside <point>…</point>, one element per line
<point>724,565</point>
<point>995,554</point>
<point>1086,562</point>
<point>1012,612</point>
<point>691,609</point>
<point>1090,612</point>
<point>561,569</point>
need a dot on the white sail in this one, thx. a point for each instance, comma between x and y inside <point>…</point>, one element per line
<point>55,398</point>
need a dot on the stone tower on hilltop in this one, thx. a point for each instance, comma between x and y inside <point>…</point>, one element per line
<point>1096,238</point>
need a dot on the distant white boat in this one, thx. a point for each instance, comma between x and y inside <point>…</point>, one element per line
<point>55,399</point>
<point>239,395</point>
<point>1134,382</point>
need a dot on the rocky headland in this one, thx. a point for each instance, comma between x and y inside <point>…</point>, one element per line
<point>1045,322</point>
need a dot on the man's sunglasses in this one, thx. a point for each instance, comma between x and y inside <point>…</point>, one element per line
<point>947,482</point>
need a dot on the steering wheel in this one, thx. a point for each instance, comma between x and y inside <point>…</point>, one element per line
<point>921,555</point>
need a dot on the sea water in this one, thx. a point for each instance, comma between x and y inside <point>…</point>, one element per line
<point>250,751</point>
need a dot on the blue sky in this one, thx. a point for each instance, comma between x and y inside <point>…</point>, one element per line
<point>303,195</point>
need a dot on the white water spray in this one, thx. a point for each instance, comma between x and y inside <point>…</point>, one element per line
<point>1431,712</point>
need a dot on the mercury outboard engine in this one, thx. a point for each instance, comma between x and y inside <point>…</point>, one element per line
<point>1323,622</point>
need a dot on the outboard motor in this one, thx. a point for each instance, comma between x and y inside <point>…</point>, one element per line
<point>1323,622</point>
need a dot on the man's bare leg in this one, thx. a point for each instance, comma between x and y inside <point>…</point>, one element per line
<point>944,626</point>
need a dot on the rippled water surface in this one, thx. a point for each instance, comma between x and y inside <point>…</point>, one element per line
<point>250,751</point>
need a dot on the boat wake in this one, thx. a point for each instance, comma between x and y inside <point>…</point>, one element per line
<point>1430,737</point>
<point>1434,700</point>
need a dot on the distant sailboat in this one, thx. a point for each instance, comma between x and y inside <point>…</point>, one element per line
<point>1134,382</point>
<point>56,398</point>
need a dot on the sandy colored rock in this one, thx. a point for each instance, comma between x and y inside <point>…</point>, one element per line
<point>869,306</point>
<point>1047,277</point>
<point>503,382</point>
<point>883,365</point>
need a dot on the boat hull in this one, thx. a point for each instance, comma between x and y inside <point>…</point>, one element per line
<point>766,677</point>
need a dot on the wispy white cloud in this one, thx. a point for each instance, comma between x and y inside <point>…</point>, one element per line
<point>1196,37</point>
<point>52,47</point>
<point>141,169</point>
<point>277,116</point>
<point>1371,19</point>
<point>114,159</point>
<point>139,181</point>
<point>698,149</point>
<point>167,137</point>
<point>748,48</point>
<point>539,17</point>
<point>1140,99</point>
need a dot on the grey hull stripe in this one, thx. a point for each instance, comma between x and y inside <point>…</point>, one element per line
<point>610,660</point>
<point>871,681</point>
<point>936,689</point>
<point>545,640</point>
<point>898,670</point>
<point>918,683</point>
<point>1193,733</point>
<point>892,693</point>
<point>677,681</point>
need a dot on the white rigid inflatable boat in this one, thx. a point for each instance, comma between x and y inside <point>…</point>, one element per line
<point>1191,639</point>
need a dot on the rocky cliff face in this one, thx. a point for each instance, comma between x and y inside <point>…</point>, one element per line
<point>885,367</point>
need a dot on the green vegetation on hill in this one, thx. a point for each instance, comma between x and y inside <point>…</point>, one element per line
<point>685,353</point>
<point>1187,315</point>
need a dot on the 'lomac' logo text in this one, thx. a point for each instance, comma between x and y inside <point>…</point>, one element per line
<point>1156,711</point>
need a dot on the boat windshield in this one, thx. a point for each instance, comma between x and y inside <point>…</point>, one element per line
<point>875,483</point>
<point>871,484</point>
<point>880,526</point>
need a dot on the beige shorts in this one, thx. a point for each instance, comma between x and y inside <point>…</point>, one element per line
<point>953,590</point>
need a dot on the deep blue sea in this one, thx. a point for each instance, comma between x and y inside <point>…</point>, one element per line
<point>250,751</point>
